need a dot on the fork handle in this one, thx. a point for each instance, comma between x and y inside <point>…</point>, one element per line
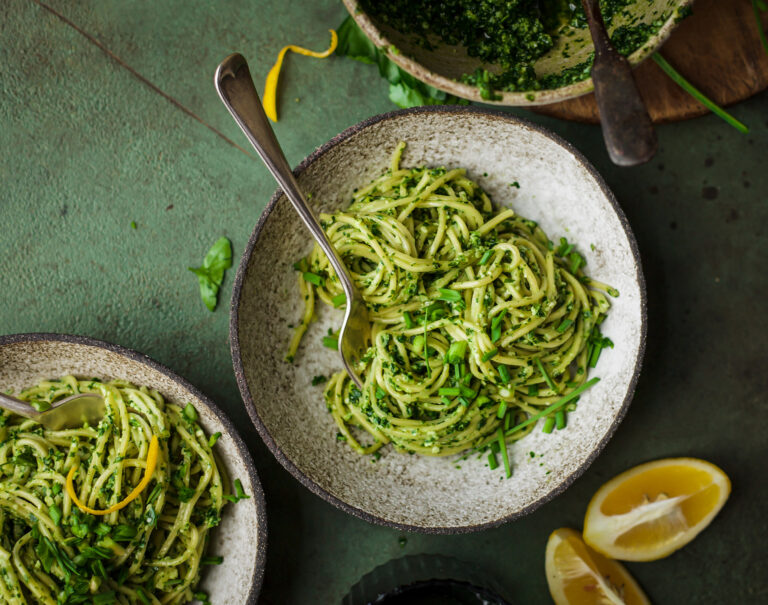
<point>17,406</point>
<point>235,87</point>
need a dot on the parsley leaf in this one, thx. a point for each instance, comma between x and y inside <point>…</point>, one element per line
<point>211,274</point>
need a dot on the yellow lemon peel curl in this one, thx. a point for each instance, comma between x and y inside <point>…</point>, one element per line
<point>270,86</point>
<point>152,455</point>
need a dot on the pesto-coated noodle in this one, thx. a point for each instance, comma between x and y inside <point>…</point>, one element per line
<point>479,321</point>
<point>150,550</point>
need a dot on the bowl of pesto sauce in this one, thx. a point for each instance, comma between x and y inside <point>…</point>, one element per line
<point>513,52</point>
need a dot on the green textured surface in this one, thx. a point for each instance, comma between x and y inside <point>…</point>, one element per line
<point>87,148</point>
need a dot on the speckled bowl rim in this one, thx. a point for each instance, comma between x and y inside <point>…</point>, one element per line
<point>257,493</point>
<point>508,98</point>
<point>237,289</point>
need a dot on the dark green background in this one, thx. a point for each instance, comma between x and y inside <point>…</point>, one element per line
<point>87,147</point>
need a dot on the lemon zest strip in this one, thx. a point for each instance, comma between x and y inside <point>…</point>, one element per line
<point>152,455</point>
<point>270,86</point>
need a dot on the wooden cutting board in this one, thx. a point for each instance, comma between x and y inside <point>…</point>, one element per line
<point>717,49</point>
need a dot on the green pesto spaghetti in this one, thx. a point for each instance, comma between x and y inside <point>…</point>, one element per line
<point>59,542</point>
<point>480,323</point>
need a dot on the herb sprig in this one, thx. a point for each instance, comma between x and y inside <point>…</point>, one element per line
<point>404,89</point>
<point>211,274</point>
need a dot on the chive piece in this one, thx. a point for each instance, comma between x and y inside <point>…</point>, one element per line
<point>456,352</point>
<point>757,6</point>
<point>595,354</point>
<point>504,454</point>
<point>696,94</point>
<point>314,278</point>
<point>213,439</point>
<point>104,598</point>
<point>408,320</point>
<point>155,493</point>
<point>547,379</point>
<point>533,390</point>
<point>339,300</point>
<point>457,371</point>
<point>504,374</point>
<point>555,406</point>
<point>133,224</point>
<point>449,391</point>
<point>486,257</point>
<point>426,347</point>
<point>492,462</point>
<point>576,260</point>
<point>449,295</point>
<point>55,513</point>
<point>190,413</point>
<point>549,425</point>
<point>143,595</point>
<point>124,533</point>
<point>502,409</point>
<point>318,380</point>
<point>564,325</point>
<point>332,342</point>
<point>212,560</point>
<point>560,419</point>
<point>507,420</point>
<point>496,326</point>
<point>490,354</point>
<point>467,392</point>
<point>463,401</point>
<point>380,393</point>
<point>445,400</point>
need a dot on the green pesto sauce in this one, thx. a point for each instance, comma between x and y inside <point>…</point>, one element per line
<point>510,34</point>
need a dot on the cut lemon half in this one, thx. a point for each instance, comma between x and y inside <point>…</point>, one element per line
<point>577,575</point>
<point>651,510</point>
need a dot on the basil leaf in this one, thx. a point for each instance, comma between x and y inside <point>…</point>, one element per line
<point>404,89</point>
<point>211,274</point>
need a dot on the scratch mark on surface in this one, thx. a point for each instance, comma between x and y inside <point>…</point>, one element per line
<point>137,75</point>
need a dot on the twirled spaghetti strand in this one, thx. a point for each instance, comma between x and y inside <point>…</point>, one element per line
<point>479,321</point>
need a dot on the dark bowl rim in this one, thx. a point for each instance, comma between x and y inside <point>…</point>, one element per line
<point>240,278</point>
<point>257,490</point>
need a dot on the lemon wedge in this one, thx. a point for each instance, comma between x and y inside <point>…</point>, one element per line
<point>577,575</point>
<point>651,510</point>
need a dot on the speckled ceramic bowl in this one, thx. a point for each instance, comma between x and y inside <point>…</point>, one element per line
<point>241,539</point>
<point>443,65</point>
<point>560,190</point>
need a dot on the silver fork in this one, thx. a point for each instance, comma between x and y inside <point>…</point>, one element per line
<point>236,90</point>
<point>68,413</point>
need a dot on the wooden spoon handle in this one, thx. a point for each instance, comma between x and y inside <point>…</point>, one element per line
<point>627,128</point>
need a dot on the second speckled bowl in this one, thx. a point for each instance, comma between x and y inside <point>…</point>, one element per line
<point>560,190</point>
<point>241,538</point>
